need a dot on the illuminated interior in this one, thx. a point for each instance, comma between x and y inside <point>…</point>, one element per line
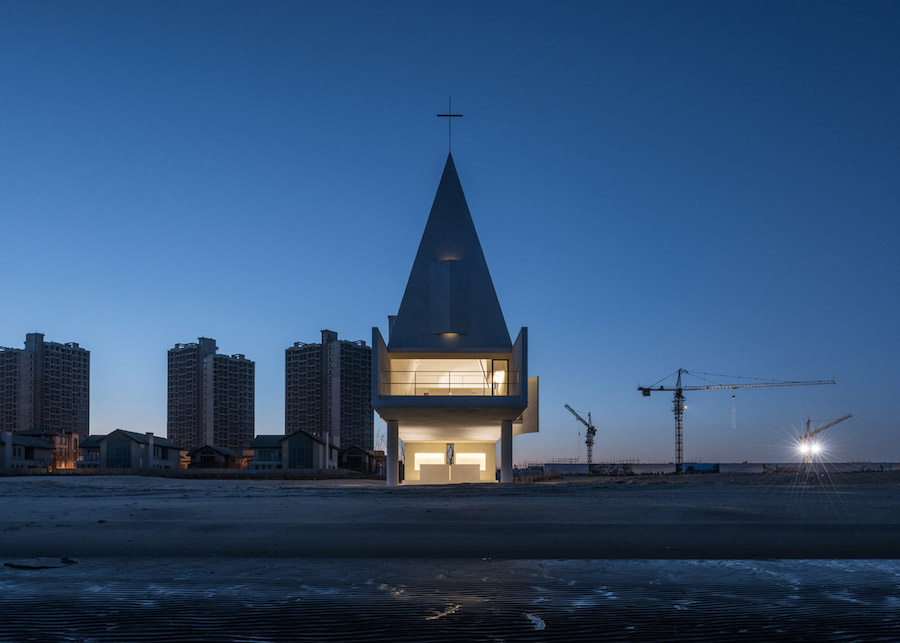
<point>467,376</point>
<point>472,458</point>
<point>427,462</point>
<point>427,458</point>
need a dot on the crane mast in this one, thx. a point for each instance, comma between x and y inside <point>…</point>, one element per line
<point>589,434</point>
<point>679,399</point>
<point>678,410</point>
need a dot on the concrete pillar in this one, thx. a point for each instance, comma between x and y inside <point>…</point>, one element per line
<point>393,453</point>
<point>506,460</point>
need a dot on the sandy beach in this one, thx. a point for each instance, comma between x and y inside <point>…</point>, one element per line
<point>703,558</point>
<point>702,516</point>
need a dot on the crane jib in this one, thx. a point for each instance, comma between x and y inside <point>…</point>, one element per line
<point>679,405</point>
<point>645,390</point>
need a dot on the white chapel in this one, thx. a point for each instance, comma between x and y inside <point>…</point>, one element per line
<point>449,382</point>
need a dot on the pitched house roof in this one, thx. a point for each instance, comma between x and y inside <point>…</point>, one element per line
<point>34,432</point>
<point>91,442</point>
<point>307,434</point>
<point>26,441</point>
<point>353,447</point>
<point>274,441</point>
<point>142,439</point>
<point>228,453</point>
<point>267,442</point>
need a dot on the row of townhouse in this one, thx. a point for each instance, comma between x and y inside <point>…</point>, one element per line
<point>128,450</point>
<point>299,450</point>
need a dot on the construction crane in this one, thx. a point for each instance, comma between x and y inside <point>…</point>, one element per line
<point>589,434</point>
<point>808,446</point>
<point>678,400</point>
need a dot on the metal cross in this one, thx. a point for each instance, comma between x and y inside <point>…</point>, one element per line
<point>449,116</point>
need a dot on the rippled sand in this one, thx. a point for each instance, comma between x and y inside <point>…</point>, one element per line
<point>415,600</point>
<point>661,558</point>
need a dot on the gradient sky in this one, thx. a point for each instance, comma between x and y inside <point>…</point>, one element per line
<point>656,185</point>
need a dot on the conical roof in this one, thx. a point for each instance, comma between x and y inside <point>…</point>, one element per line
<point>450,305</point>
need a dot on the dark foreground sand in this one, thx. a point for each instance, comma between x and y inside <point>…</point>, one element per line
<point>283,599</point>
<point>700,558</point>
<point>709,517</point>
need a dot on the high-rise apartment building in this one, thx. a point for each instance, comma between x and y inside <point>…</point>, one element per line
<point>45,387</point>
<point>328,390</point>
<point>210,397</point>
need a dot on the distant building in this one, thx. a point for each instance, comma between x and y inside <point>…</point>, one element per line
<point>267,453</point>
<point>24,452</point>
<point>129,450</point>
<point>302,450</point>
<point>328,391</point>
<point>377,462</point>
<point>64,445</point>
<point>355,459</point>
<point>45,387</point>
<point>299,450</point>
<point>89,453</point>
<point>211,397</point>
<point>213,457</point>
<point>365,461</point>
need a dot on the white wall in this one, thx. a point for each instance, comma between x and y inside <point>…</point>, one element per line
<point>487,449</point>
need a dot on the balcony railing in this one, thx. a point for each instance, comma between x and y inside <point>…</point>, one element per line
<point>425,383</point>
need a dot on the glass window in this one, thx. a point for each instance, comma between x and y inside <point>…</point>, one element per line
<point>118,452</point>
<point>469,377</point>
<point>500,379</point>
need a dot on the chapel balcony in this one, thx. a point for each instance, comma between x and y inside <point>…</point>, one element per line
<point>448,382</point>
<point>420,378</point>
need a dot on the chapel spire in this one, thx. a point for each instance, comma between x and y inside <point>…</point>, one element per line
<point>450,304</point>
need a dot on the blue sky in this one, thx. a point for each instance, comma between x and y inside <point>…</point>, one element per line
<point>656,185</point>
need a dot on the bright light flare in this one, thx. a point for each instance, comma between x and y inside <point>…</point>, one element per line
<point>809,449</point>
